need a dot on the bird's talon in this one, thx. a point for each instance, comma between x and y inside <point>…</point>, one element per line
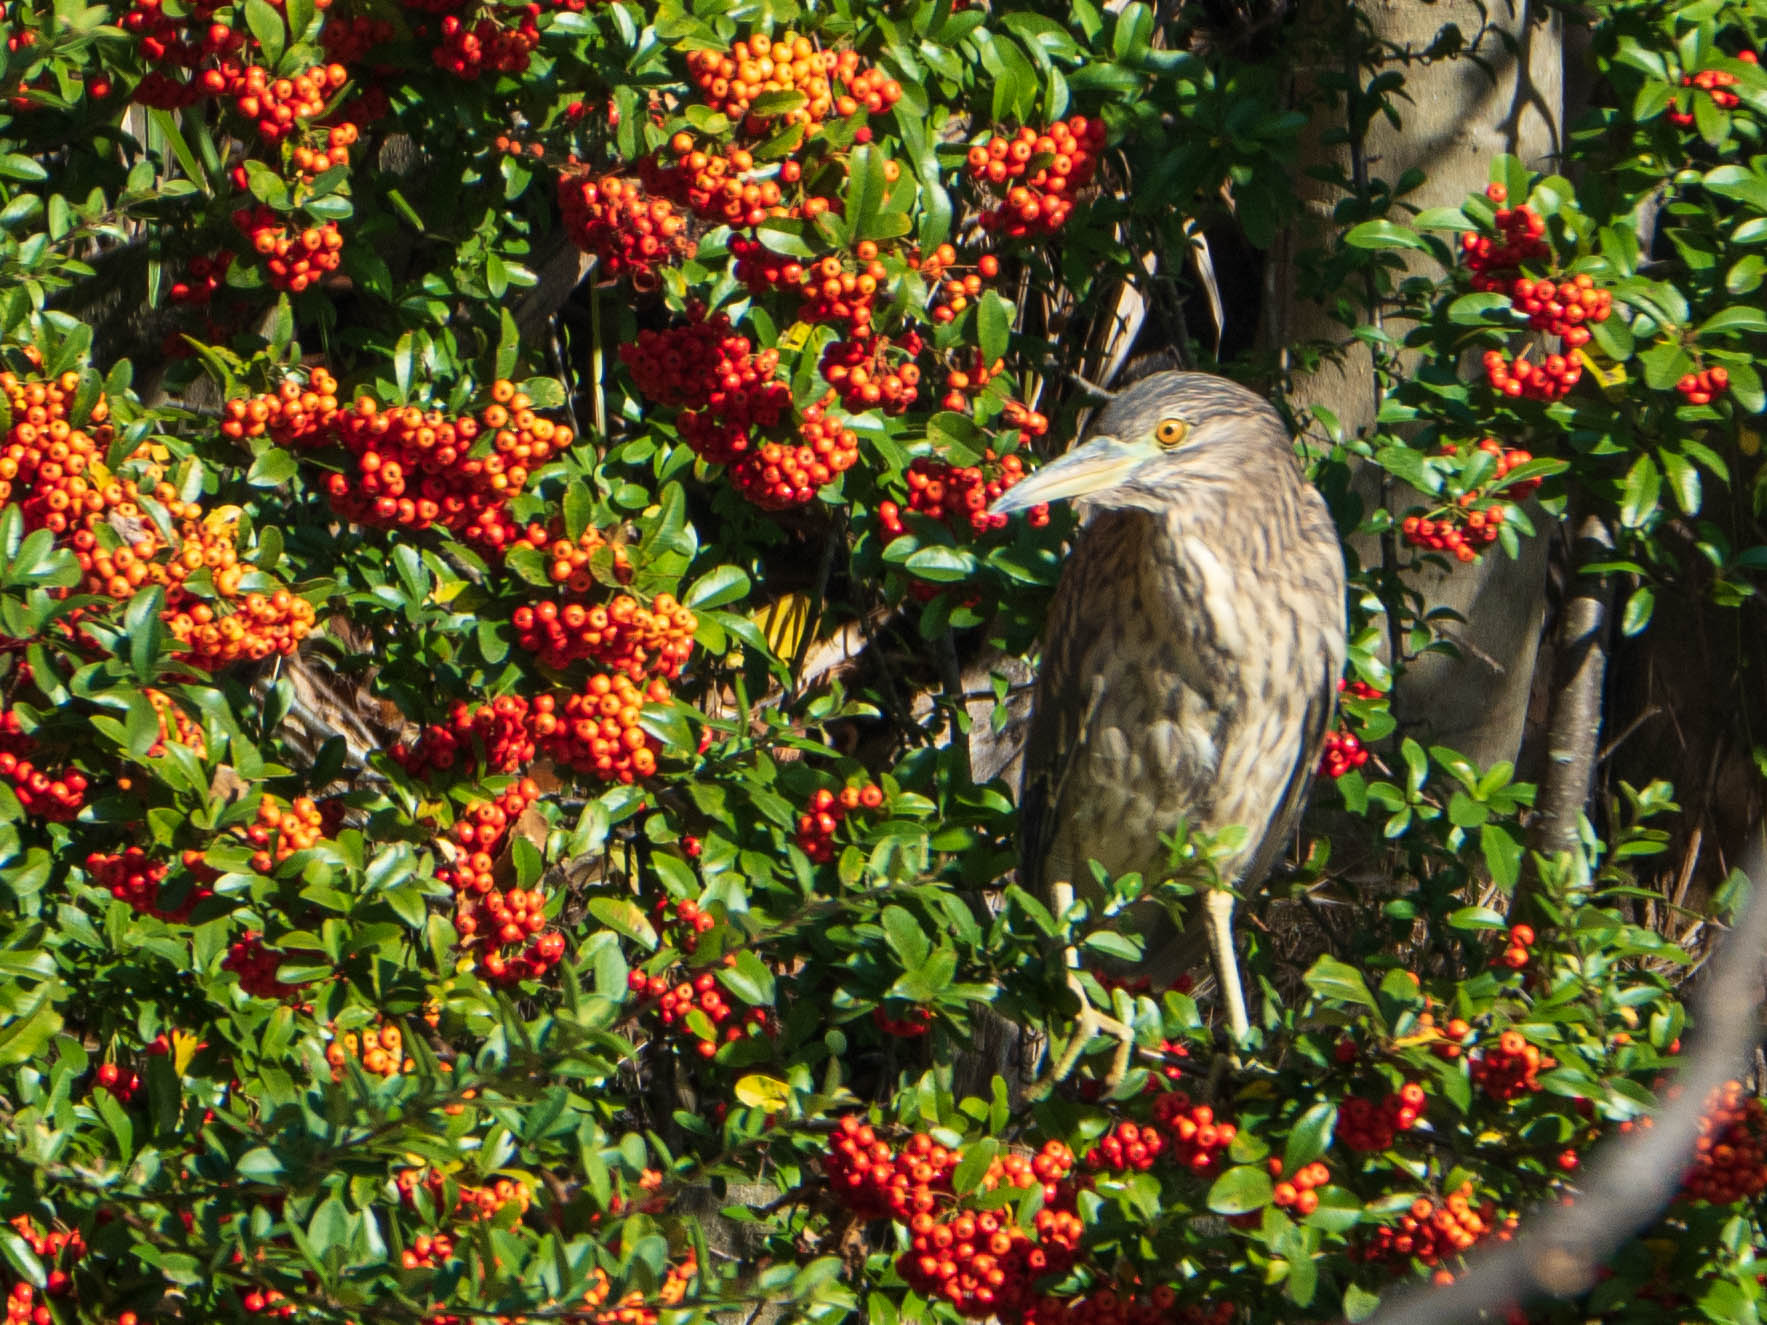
<point>1090,1023</point>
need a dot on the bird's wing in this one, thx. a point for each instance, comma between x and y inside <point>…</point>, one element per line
<point>1314,723</point>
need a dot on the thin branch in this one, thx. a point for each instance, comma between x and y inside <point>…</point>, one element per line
<point>1574,731</point>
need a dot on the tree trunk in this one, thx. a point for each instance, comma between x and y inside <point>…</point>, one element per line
<point>1456,115</point>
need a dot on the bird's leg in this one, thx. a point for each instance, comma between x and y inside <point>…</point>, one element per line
<point>1218,916</point>
<point>1091,1021</point>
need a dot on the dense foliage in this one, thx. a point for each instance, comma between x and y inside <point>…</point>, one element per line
<point>489,827</point>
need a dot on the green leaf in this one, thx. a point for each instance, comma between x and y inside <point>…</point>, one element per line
<point>268,30</point>
<point>1385,234</point>
<point>1241,1189</point>
<point>1337,982</point>
<point>942,565</point>
<point>749,980</point>
<point>1641,491</point>
<point>1638,611</point>
<point>993,325</point>
<point>626,917</point>
<point>717,587</point>
<point>272,469</point>
<point>864,192</point>
<point>906,938</point>
<point>1309,1137</point>
<point>1729,321</point>
<point>1503,855</point>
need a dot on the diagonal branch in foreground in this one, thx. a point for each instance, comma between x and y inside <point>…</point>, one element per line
<point>1559,1250</point>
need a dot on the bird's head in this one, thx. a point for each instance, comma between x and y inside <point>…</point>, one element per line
<point>1153,437</point>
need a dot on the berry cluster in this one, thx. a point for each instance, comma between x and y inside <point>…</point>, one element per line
<point>56,797</point>
<point>175,726</point>
<point>517,916</point>
<point>1475,516</point>
<point>721,187</point>
<point>1039,172</point>
<point>831,289</point>
<point>339,139</point>
<point>1199,1142</point>
<point>1508,1070</point>
<point>1343,749</point>
<point>824,813</point>
<point>1433,1232</point>
<point>573,563</point>
<point>267,1302</point>
<point>917,1022</point>
<point>1369,1126</point>
<point>50,1247</point>
<point>623,226</point>
<point>695,1009</point>
<point>380,1051</point>
<point>1447,1042</point>
<point>1298,1193</point>
<point>348,38</point>
<point>21,1308</point>
<point>471,1203</point>
<point>494,737</point>
<point>56,473</point>
<point>276,104</point>
<point>685,921</point>
<point>1705,386</point>
<point>255,964</point>
<point>261,626</point>
<point>982,1262</point>
<point>414,468</point>
<point>1730,1160</point>
<point>1565,309</point>
<point>828,82</point>
<point>1127,1147</point>
<point>595,731</point>
<point>503,931</point>
<point>427,1251</point>
<point>1515,954</point>
<point>1520,238</point>
<point>961,383</point>
<point>1715,83</point>
<point>1550,379</point>
<point>735,401</point>
<point>281,829</point>
<point>176,45</point>
<point>873,1179</point>
<point>632,1309</point>
<point>621,634</point>
<point>686,364</point>
<point>203,276</point>
<point>134,877</point>
<point>862,376</point>
<point>479,831</point>
<point>959,495</point>
<point>491,45</point>
<point>295,260</point>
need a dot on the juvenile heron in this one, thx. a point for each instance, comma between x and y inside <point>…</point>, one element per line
<point>1191,658</point>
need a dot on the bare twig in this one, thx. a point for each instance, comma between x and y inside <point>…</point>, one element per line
<point>1575,728</point>
<point>1561,1248</point>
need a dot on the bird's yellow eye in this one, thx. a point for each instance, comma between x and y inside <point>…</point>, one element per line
<point>1170,432</point>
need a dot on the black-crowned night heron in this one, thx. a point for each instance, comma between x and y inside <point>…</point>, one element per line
<point>1191,658</point>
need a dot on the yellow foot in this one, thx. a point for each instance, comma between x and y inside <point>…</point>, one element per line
<point>1090,1024</point>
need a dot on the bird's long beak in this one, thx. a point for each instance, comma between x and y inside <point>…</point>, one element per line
<point>1101,463</point>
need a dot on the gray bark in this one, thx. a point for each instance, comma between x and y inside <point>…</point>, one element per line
<point>1457,114</point>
